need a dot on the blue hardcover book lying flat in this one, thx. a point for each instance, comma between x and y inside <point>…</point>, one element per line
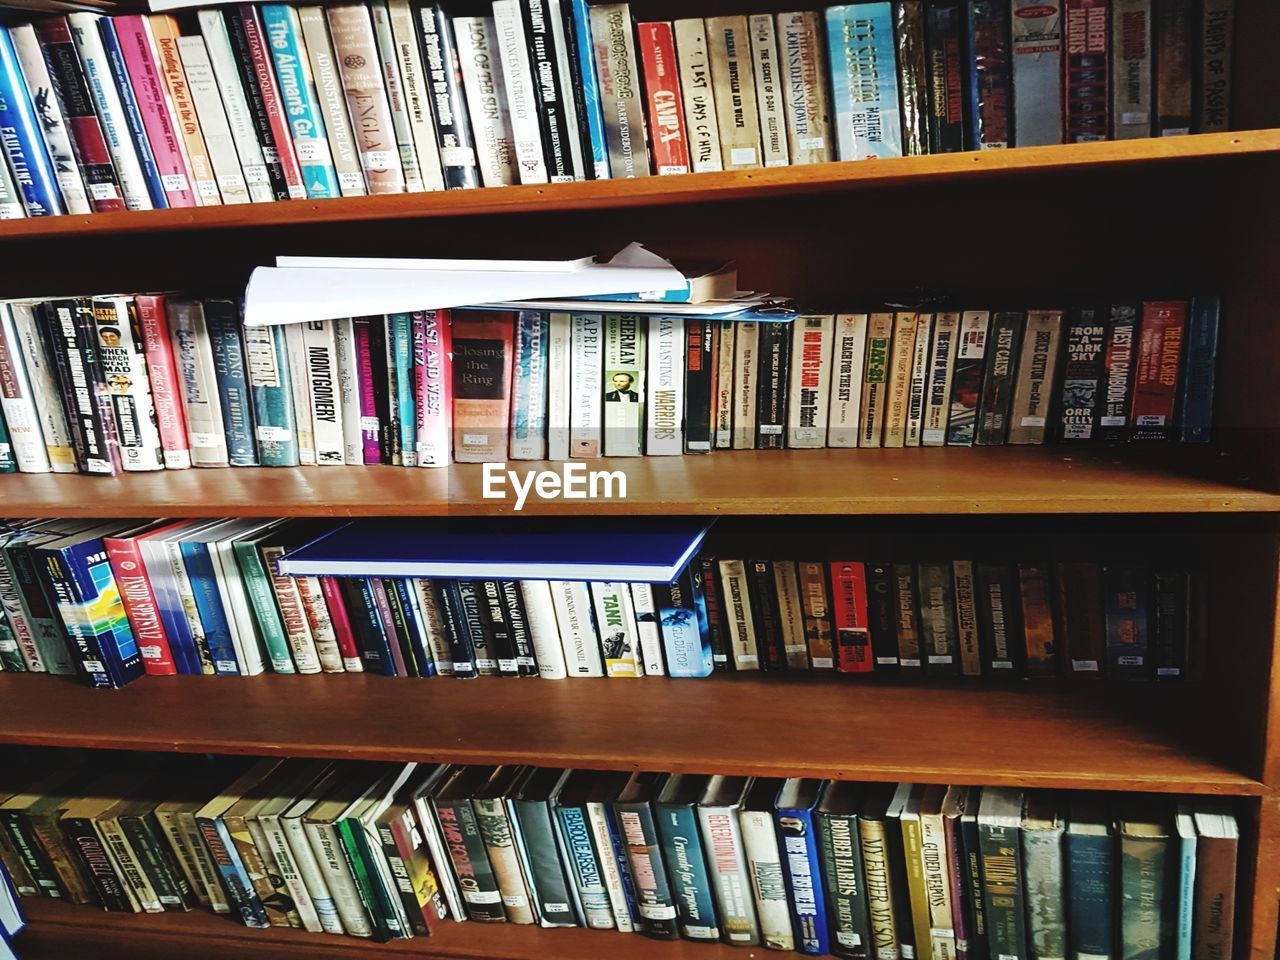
<point>640,549</point>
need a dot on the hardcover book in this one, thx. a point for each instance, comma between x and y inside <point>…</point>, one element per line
<point>1037,72</point>
<point>864,82</point>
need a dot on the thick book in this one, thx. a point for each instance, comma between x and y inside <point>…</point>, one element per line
<point>729,49</point>
<point>532,805</point>
<point>656,43</point>
<point>1003,871</point>
<point>495,825</point>
<point>1119,365</point>
<point>681,611</point>
<point>331,101</point>
<point>1133,69</point>
<point>966,378</point>
<point>443,82</point>
<point>624,385</point>
<point>913,75</point>
<point>21,323</point>
<point>222,321</point>
<point>1080,391</point>
<point>864,82</point>
<point>849,624</point>
<point>943,37</point>
<point>989,72</point>
<point>480,62</point>
<point>1037,366</point>
<point>633,812</point>
<point>482,364</point>
<point>701,123</point>
<point>1091,855</point>
<point>769,90</point>
<point>1002,351</point>
<point>208,113</point>
<point>1080,626</point>
<point>1045,876</point>
<point>719,811</point>
<point>1128,629</point>
<point>1000,620</point>
<point>842,871</point>
<point>1157,369</point>
<point>359,66</point>
<point>1195,396</point>
<point>582,859</point>
<point>1147,877</point>
<point>1174,57</point>
<point>24,144</point>
<point>618,72</point>
<point>1037,72</point>
<point>794,814</point>
<point>53,123</point>
<point>1215,36</point>
<point>1086,70</point>
<point>676,815</point>
<point>1217,851</point>
<point>764,863</point>
<point>938,638</point>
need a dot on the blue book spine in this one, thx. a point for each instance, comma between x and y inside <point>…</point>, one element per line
<point>217,631</point>
<point>584,866</point>
<point>7,463</point>
<point>1091,893</point>
<point>1186,893</point>
<point>686,631</point>
<point>529,396</point>
<point>298,95</point>
<point>799,845</point>
<point>624,870</point>
<point>862,61</point>
<point>133,116</point>
<point>589,90</point>
<point>22,139</point>
<point>223,320</point>
<point>93,613</point>
<point>222,849</point>
<point>271,387</point>
<point>687,865</point>
<point>1195,421</point>
<point>414,627</point>
<point>181,642</point>
<point>400,355</point>
<point>375,647</point>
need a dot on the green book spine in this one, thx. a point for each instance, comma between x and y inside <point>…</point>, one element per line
<point>258,585</point>
<point>845,885</point>
<point>1002,890</point>
<point>350,833</point>
<point>1143,890</point>
<point>154,863</point>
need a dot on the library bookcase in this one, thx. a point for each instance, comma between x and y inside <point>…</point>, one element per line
<point>1172,216</point>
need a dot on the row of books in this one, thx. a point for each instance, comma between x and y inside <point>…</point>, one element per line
<point>175,382</point>
<point>274,102</point>
<point>108,601</point>
<point>862,871</point>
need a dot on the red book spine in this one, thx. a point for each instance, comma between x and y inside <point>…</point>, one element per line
<point>140,605</point>
<point>271,101</point>
<point>162,372</point>
<point>849,617</point>
<point>370,426</point>
<point>432,380</point>
<point>1161,339</point>
<point>662,81</point>
<point>88,142</point>
<point>341,625</point>
<point>1086,73</point>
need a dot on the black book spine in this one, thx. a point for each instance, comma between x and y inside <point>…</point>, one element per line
<point>521,636</point>
<point>1170,625</point>
<point>401,625</point>
<point>711,592</point>
<point>1119,366</point>
<point>698,339</point>
<point>381,388</point>
<point>573,97</point>
<point>32,854</point>
<point>257,105</point>
<point>771,385</point>
<point>461,831</point>
<point>764,614</point>
<point>998,380</point>
<point>493,611</point>
<point>88,846</point>
<point>555,900</point>
<point>882,621</point>
<point>96,376</point>
<point>454,619</point>
<point>448,107</point>
<point>153,863</point>
<point>59,335</point>
<point>552,113</point>
<point>906,613</point>
<point>946,84</point>
<point>472,613</point>
<point>1079,405</point>
<point>1000,639</point>
<point>639,834</point>
<point>415,630</point>
<point>898,881</point>
<point>362,610</point>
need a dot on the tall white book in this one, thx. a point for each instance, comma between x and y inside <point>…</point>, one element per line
<point>664,407</point>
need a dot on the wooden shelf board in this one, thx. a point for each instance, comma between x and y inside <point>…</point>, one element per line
<point>995,480</point>
<point>658,191</point>
<point>62,930</point>
<point>1043,734</point>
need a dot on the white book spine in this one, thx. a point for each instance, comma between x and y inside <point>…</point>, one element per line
<point>312,877</point>
<point>942,361</point>
<point>745,360</point>
<point>724,386</point>
<point>106,102</point>
<point>917,392</point>
<point>394,84</point>
<point>23,335</point>
<point>737,609</point>
<point>649,628</point>
<point>278,845</point>
<point>517,78</point>
<point>937,881</point>
<point>481,63</point>
<point>624,356</point>
<point>848,354</point>
<point>332,101</point>
<point>586,371</point>
<point>544,629</point>
<point>616,623</point>
<point>322,382</point>
<point>253,164</point>
<point>790,614</point>
<point>808,401</point>
<point>193,353</point>
<point>416,89</point>
<point>764,863</point>
<point>559,382</point>
<point>769,90</point>
<point>569,87</point>
<point>597,815</point>
<point>578,640</point>
<point>327,847</point>
<point>53,124</point>
<point>344,341</point>
<point>320,625</point>
<point>699,99</point>
<point>125,365</point>
<point>296,350</point>
<point>437,638</point>
<point>235,609</point>
<point>218,139</point>
<point>17,401</point>
<point>664,409</point>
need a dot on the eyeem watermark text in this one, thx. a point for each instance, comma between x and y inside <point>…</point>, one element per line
<point>573,481</point>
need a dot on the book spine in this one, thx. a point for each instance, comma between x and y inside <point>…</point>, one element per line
<point>700,120</point>
<point>942,358</point>
<point>1002,889</point>
<point>738,616</point>
<point>1036,68</point>
<point>268,624</point>
<point>399,337</point>
<point>937,618</point>
<point>804,90</point>
<point>683,852</point>
<point>1044,893</point>
<point>1036,375</point>
<point>366,369</point>
<point>529,390</point>
<point>482,359</point>
<point>918,385</point>
<point>848,354</point>
<point>568,56</point>
<point>842,876</point>
<point>344,655</point>
<point>187,124</point>
<point>170,886</point>
<point>990,95</point>
<point>128,863</point>
<point>162,373</point>
<point>331,101</point>
<point>18,403</point>
<point>853,651</point>
<point>576,621</point>
<point>623,386</point>
<point>764,614</point>
<point>301,651</point>
<point>730,878</point>
<point>206,101</point>
<point>966,378</point>
<point>618,74</point>
<point>956,876</point>
<point>321,369</point>
<point>544,633</point>
<point>1090,906</point>
<point>907,627</point>
<point>272,393</point>
<point>864,86</point>
<point>404,886</point>
<point>1133,67</point>
<point>913,75</point>
<point>547,95</point>
<point>140,605</point>
<point>882,919</point>
<point>686,634</point>
<point>202,404</point>
<point>744,384</point>
<point>326,847</point>
<point>481,62</point>
<point>223,326</point>
<point>534,823</point>
<point>518,81</point>
<point>199,565</point>
<point>124,368</point>
<point>401,125</point>
<point>1174,55</point>
<point>699,384</point>
<point>86,354</point>
<point>24,146</point>
<point>584,866</point>
<point>359,63</point>
<point>615,620</point>
<point>249,41</point>
<point>349,389</point>
<point>243,899</point>
<point>946,101</point>
<point>451,138</point>
<point>656,42</point>
<point>19,646</point>
<point>966,618</point>
<point>1003,346</point>
<point>799,847</point>
<point>663,378</point>
<point>937,886</point>
<point>1119,365</point>
<point>1157,370</point>
<point>644,856</point>
<point>648,628</point>
<point>433,624</point>
<point>87,844</point>
<point>723,388</point>
<point>585,407</point>
<point>1082,373</point>
<point>1195,401</point>
<point>807,406</point>
<point>432,391</point>
<point>499,843</point>
<point>1086,70</point>
<point>790,614</point>
<point>23,336</point>
<point>1128,641</point>
<point>906,327</point>
<point>1213,93</point>
<point>297,96</point>
<point>53,123</point>
<point>819,635</point>
<point>729,54</point>
<point>875,381</point>
<point>461,830</point>
<point>453,618</point>
<point>290,882</point>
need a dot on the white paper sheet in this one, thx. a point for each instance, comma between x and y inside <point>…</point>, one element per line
<point>401,263</point>
<point>278,295</point>
<point>644,308</point>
